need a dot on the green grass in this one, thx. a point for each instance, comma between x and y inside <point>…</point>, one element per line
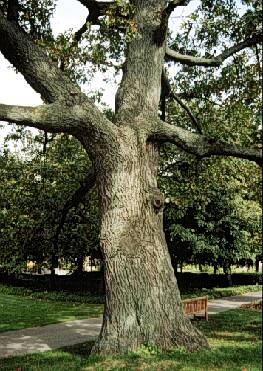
<point>21,308</point>
<point>219,292</point>
<point>234,337</point>
<point>87,298</point>
<point>17,312</point>
<point>63,296</point>
<point>210,269</point>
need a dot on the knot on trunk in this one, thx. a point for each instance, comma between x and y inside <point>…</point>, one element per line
<point>157,199</point>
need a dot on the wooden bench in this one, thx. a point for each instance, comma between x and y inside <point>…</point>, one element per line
<point>196,306</point>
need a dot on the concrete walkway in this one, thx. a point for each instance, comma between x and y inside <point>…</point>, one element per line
<point>41,339</point>
<point>232,302</point>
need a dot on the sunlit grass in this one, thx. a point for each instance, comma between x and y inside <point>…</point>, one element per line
<point>18,312</point>
<point>22,308</point>
<point>218,292</point>
<point>234,337</point>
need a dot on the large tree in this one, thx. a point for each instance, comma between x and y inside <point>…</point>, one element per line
<point>142,299</point>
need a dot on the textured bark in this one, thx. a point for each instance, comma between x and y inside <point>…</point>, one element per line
<point>29,59</point>
<point>139,93</point>
<point>142,298</point>
<point>201,145</point>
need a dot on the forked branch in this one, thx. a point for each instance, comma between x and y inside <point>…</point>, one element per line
<point>96,9</point>
<point>39,71</point>
<point>70,110</point>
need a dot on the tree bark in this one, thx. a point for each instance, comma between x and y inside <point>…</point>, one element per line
<point>143,304</point>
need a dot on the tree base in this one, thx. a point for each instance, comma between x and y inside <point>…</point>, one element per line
<point>186,336</point>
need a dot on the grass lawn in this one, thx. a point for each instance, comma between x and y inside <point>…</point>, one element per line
<point>234,337</point>
<point>219,292</point>
<point>22,308</point>
<point>18,312</point>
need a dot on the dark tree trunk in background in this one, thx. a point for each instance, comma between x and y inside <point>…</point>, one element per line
<point>52,278</point>
<point>174,263</point>
<point>257,265</point>
<point>181,267</point>
<point>215,268</point>
<point>227,272</point>
<point>80,264</point>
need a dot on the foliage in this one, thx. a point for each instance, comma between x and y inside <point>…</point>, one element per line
<point>33,194</point>
<point>213,214</point>
<point>234,337</point>
<point>33,16</point>
<point>218,225</point>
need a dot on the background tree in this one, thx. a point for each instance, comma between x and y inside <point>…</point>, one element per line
<point>146,307</point>
<point>231,99</point>
<point>37,203</point>
<point>218,226</point>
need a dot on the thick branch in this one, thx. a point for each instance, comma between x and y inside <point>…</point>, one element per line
<point>96,9</point>
<point>52,117</point>
<point>77,197</point>
<point>200,145</point>
<point>39,71</point>
<point>58,117</point>
<point>12,11</point>
<point>216,61</point>
<point>72,111</point>
<point>78,34</point>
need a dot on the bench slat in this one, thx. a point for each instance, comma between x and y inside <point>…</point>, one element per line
<point>196,305</point>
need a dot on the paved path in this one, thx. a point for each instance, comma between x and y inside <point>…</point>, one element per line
<point>41,339</point>
<point>232,302</point>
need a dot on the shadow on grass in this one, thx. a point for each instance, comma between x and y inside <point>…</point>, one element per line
<point>83,350</point>
<point>233,351</point>
<point>227,358</point>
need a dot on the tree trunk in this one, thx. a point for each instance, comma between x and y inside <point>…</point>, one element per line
<point>181,267</point>
<point>215,268</point>
<point>257,265</point>
<point>143,304</point>
<point>227,272</point>
<point>52,278</point>
<point>174,262</point>
<point>79,264</point>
